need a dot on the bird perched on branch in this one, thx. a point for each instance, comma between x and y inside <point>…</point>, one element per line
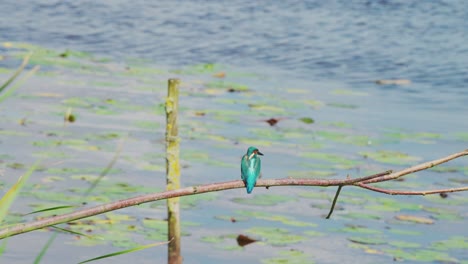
<point>250,168</point>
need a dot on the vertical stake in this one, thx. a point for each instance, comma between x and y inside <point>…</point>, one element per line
<point>173,171</point>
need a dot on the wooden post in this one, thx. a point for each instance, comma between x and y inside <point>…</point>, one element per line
<point>173,171</point>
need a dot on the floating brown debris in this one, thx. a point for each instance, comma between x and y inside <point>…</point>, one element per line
<point>219,75</point>
<point>243,240</point>
<point>273,121</point>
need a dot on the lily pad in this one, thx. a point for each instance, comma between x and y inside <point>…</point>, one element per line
<point>213,239</point>
<point>359,229</point>
<point>275,236</point>
<point>396,204</point>
<point>306,120</point>
<point>343,105</point>
<point>462,136</point>
<point>277,218</point>
<point>420,137</point>
<point>405,232</point>
<point>390,157</point>
<point>232,219</point>
<point>404,244</point>
<point>348,92</point>
<point>421,255</point>
<point>339,161</point>
<point>191,201</point>
<point>264,199</point>
<point>314,103</point>
<point>360,215</point>
<point>310,174</point>
<point>415,219</point>
<point>289,257</point>
<point>368,240</point>
<point>455,242</point>
<point>357,140</point>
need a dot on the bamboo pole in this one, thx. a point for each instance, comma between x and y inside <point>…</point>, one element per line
<point>173,171</point>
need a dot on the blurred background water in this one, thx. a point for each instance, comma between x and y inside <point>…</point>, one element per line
<point>347,41</point>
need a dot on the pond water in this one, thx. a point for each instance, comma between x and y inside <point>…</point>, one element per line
<point>286,60</point>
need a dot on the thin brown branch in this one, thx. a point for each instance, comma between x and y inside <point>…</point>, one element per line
<point>360,182</point>
<point>396,192</point>
<point>27,227</point>
<point>416,168</point>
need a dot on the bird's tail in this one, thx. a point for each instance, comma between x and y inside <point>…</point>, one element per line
<point>249,186</point>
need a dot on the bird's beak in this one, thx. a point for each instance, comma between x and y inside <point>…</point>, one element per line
<point>259,153</point>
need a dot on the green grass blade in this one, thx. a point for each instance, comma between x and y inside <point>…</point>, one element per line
<point>51,209</point>
<point>10,196</point>
<point>18,71</point>
<point>126,251</point>
<point>73,232</point>
<point>44,249</point>
<point>3,246</point>
<point>10,91</point>
<point>108,168</point>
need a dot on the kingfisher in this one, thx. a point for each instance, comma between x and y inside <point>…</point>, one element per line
<point>250,168</point>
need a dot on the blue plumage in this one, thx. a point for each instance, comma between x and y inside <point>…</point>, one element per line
<point>250,168</point>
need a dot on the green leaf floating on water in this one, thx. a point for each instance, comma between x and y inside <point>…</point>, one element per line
<point>232,219</point>
<point>345,138</point>
<point>339,124</point>
<point>343,105</point>
<point>264,199</point>
<point>442,213</point>
<point>275,236</point>
<point>224,242</point>
<point>278,218</point>
<point>420,137</point>
<point>267,108</point>
<point>213,239</point>
<point>157,224</point>
<point>368,240</point>
<point>415,219</point>
<point>311,174</point>
<point>462,136</point>
<point>361,216</point>
<point>348,92</point>
<point>390,157</point>
<point>187,202</point>
<point>446,169</point>
<point>404,244</point>
<point>421,255</point>
<point>306,120</point>
<point>339,161</point>
<point>290,257</point>
<point>359,229</point>
<point>267,133</point>
<point>391,205</point>
<point>255,142</point>
<point>227,85</point>
<point>405,232</point>
<point>455,242</point>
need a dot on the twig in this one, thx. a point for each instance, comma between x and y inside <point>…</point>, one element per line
<point>334,202</point>
<point>360,182</point>
<point>396,192</point>
<point>416,168</point>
